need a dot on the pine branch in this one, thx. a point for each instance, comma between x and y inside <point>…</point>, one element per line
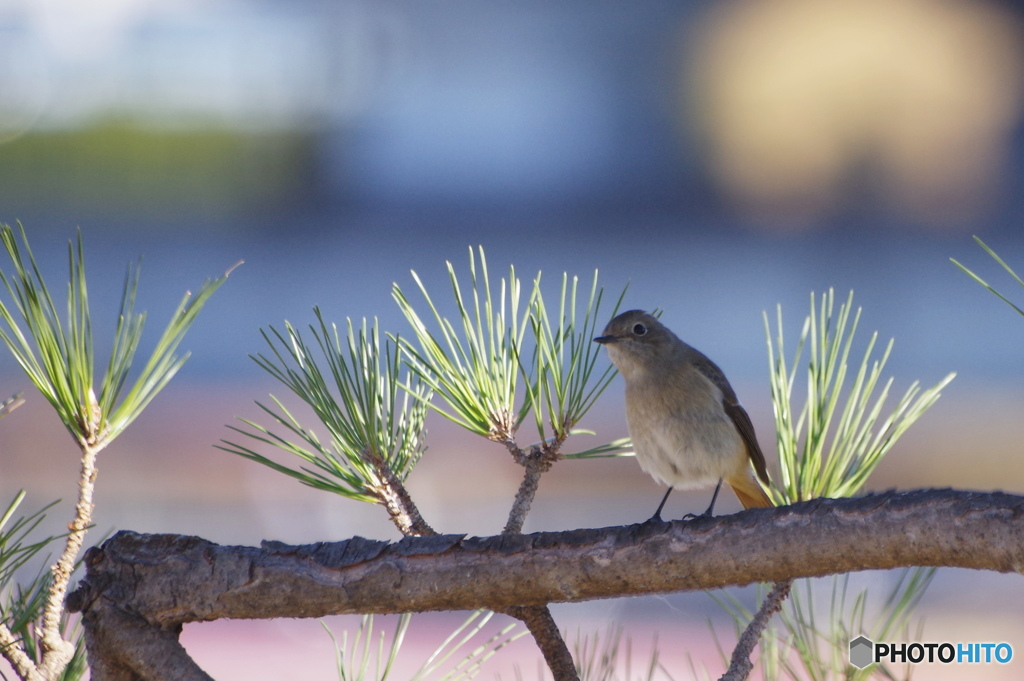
<point>170,580</point>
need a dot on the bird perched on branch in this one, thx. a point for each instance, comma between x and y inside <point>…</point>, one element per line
<point>687,426</point>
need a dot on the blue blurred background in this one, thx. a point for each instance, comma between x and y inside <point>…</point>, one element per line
<point>720,157</point>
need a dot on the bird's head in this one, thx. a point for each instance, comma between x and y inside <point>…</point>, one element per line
<point>637,342</point>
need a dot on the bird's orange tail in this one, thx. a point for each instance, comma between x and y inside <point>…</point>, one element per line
<point>749,492</point>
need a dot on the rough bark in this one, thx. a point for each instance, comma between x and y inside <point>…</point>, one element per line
<point>541,625</point>
<point>167,580</point>
<point>125,647</point>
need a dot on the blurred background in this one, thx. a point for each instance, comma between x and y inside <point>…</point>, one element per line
<point>720,157</point>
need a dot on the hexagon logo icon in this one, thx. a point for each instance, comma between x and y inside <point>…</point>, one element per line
<point>862,652</point>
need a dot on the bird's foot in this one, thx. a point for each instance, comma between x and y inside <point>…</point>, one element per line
<point>654,520</point>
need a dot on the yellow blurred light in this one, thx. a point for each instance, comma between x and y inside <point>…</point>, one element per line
<point>797,98</point>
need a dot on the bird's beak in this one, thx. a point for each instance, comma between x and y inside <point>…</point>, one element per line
<point>605,340</point>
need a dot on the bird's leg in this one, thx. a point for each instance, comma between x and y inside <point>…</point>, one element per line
<point>714,497</point>
<point>707,513</point>
<point>656,518</point>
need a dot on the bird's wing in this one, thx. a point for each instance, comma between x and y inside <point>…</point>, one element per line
<point>740,417</point>
<point>735,411</point>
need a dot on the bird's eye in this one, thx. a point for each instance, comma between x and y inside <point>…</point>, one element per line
<point>639,330</point>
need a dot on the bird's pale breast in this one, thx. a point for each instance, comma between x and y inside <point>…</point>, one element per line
<point>691,443</point>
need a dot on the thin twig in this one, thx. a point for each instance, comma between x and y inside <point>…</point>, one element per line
<point>396,500</point>
<point>518,455</point>
<point>740,664</point>
<point>12,651</point>
<point>541,624</point>
<point>534,467</point>
<point>56,652</point>
<point>538,618</point>
<point>538,461</point>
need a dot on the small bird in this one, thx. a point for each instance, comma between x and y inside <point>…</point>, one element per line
<point>687,426</point>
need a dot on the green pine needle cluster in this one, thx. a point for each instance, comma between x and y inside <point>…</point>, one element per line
<point>473,365</point>
<point>830,446</point>
<point>367,658</point>
<point>57,353</point>
<point>372,398</point>
<point>58,356</point>
<point>476,373</point>
<point>566,357</point>
<point>354,389</point>
<point>15,548</point>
